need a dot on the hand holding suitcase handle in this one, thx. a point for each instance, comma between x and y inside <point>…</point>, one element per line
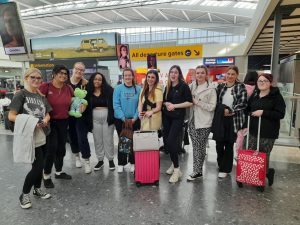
<point>258,134</point>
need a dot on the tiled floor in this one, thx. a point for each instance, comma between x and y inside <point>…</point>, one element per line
<point>106,197</point>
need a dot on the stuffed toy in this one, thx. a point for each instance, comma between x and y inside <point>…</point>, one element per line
<point>77,101</point>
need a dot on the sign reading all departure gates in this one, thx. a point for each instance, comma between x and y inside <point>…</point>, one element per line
<point>170,52</point>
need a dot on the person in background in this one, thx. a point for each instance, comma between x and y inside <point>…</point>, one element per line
<point>4,101</point>
<point>229,118</point>
<point>78,127</point>
<point>177,97</point>
<point>100,116</point>
<point>150,102</point>
<point>200,120</point>
<point>250,82</point>
<point>266,102</point>
<point>59,95</point>
<point>30,101</point>
<point>124,58</point>
<point>125,104</point>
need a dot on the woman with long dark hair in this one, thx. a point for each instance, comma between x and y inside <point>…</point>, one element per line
<point>177,97</point>
<point>100,116</point>
<point>150,102</point>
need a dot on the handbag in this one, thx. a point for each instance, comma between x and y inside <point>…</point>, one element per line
<point>125,140</point>
<point>252,164</point>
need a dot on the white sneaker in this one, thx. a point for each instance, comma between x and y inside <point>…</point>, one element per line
<point>127,167</point>
<point>132,168</point>
<point>170,170</point>
<point>175,176</point>
<point>222,175</point>
<point>120,169</point>
<point>87,166</point>
<point>78,163</point>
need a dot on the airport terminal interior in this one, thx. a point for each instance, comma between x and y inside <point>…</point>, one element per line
<point>254,35</point>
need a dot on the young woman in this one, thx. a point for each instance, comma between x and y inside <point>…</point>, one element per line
<point>229,118</point>
<point>30,101</point>
<point>100,116</point>
<point>59,96</point>
<point>124,59</point>
<point>78,127</point>
<point>177,97</point>
<point>267,103</point>
<point>201,116</point>
<point>125,104</point>
<point>150,102</point>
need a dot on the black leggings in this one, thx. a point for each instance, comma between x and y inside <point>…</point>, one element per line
<point>35,175</point>
<point>56,145</point>
<point>172,131</point>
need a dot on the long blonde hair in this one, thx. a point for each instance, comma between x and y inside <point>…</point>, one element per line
<point>27,73</point>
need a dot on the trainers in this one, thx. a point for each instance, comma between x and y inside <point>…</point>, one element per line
<point>194,176</point>
<point>120,169</point>
<point>40,193</point>
<point>99,165</point>
<point>48,183</point>
<point>78,163</point>
<point>63,175</point>
<point>270,176</point>
<point>87,166</point>
<point>170,170</point>
<point>222,175</point>
<point>111,165</point>
<point>175,176</point>
<point>132,168</point>
<point>25,202</point>
<point>127,167</point>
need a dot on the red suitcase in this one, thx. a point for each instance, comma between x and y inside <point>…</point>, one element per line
<point>251,164</point>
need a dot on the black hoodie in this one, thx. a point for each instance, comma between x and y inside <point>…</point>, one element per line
<point>273,107</point>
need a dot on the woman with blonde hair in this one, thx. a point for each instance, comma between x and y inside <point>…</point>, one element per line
<point>30,101</point>
<point>177,97</point>
<point>150,102</point>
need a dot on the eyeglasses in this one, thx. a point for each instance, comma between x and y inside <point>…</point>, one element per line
<point>63,73</point>
<point>78,69</point>
<point>33,78</point>
<point>263,81</point>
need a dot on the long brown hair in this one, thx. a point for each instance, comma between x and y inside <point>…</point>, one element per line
<point>169,83</point>
<point>146,85</point>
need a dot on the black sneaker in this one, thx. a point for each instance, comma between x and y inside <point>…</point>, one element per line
<point>99,165</point>
<point>48,183</point>
<point>64,176</point>
<point>194,176</point>
<point>25,202</point>
<point>40,193</point>
<point>270,176</point>
<point>112,165</point>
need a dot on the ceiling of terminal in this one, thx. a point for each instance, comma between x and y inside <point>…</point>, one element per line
<point>289,35</point>
<point>42,18</point>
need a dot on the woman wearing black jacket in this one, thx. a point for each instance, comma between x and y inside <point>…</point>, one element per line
<point>267,103</point>
<point>100,118</point>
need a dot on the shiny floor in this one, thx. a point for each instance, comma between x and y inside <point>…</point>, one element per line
<point>106,197</point>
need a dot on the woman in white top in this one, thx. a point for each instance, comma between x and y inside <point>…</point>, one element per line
<point>201,116</point>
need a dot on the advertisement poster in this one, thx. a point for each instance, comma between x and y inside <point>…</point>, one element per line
<point>77,46</point>
<point>123,56</point>
<point>11,30</point>
<point>151,61</point>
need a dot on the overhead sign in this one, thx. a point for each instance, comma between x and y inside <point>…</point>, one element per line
<point>219,61</point>
<point>170,52</point>
<point>77,46</point>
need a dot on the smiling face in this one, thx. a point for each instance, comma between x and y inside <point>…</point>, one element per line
<point>123,51</point>
<point>174,75</point>
<point>61,76</point>
<point>128,77</point>
<point>231,76</point>
<point>34,80</point>
<point>97,81</point>
<point>78,71</point>
<point>151,79</point>
<point>263,83</point>
<point>201,75</point>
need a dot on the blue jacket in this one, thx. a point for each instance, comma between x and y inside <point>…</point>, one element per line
<point>125,102</point>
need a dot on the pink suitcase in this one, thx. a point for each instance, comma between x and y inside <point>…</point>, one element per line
<point>147,167</point>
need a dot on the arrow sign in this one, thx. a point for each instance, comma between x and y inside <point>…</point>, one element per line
<point>197,52</point>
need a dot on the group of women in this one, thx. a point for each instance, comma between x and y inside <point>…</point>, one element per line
<point>221,111</point>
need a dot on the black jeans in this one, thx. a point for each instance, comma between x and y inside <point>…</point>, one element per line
<point>122,158</point>
<point>35,175</point>
<point>78,137</point>
<point>172,132</point>
<point>56,145</point>
<point>225,155</point>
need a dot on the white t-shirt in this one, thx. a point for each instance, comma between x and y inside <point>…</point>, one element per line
<point>228,97</point>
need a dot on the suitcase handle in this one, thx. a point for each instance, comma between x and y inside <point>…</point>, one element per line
<point>258,133</point>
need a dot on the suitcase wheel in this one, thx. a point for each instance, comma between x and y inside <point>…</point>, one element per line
<point>156,183</point>
<point>138,184</point>
<point>239,184</point>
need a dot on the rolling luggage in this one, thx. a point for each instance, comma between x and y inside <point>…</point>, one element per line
<point>251,164</point>
<point>147,157</point>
